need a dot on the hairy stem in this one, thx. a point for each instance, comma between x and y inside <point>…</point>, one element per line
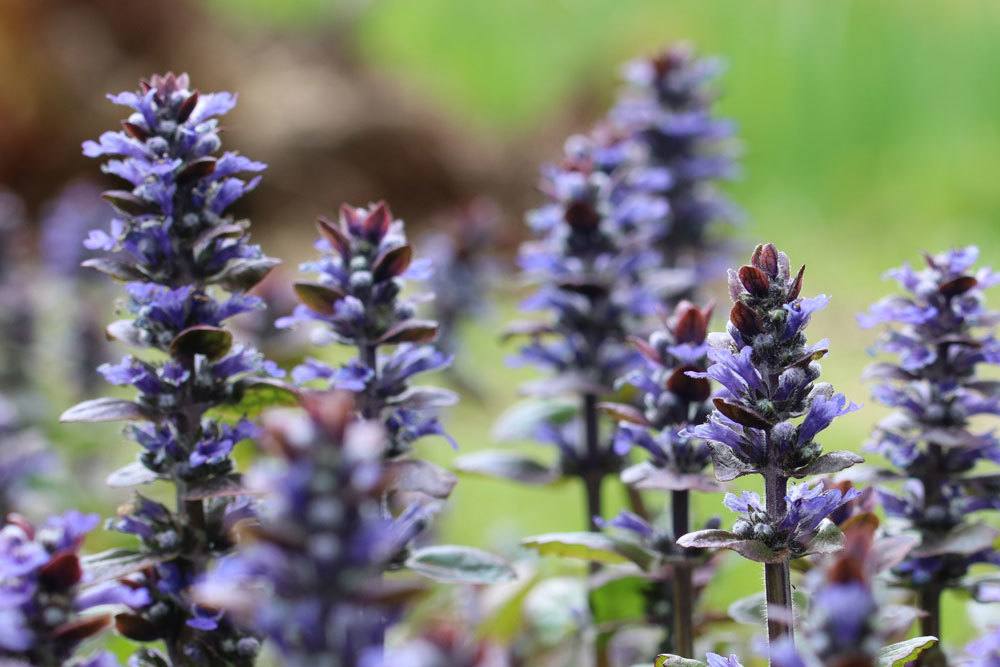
<point>777,576</point>
<point>683,588</point>
<point>369,357</point>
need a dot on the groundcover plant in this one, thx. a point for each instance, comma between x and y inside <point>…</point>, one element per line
<point>326,551</point>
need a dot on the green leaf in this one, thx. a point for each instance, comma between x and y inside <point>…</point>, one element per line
<point>104,410</point>
<point>670,660</point>
<point>254,395</point>
<point>595,547</point>
<point>752,609</point>
<point>902,653</point>
<point>506,465</point>
<point>622,599</point>
<point>460,565</point>
<point>521,421</point>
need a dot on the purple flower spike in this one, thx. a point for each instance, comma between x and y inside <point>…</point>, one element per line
<point>366,261</point>
<point>942,335</point>
<point>187,263</point>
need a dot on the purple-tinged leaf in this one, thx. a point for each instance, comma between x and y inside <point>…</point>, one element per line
<point>320,298</point>
<point>506,465</point>
<point>829,463</point>
<point>116,268</point>
<point>210,342</point>
<point>133,474</point>
<point>410,331</point>
<point>416,476</point>
<point>104,410</point>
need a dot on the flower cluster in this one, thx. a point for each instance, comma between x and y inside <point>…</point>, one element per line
<point>46,607</point>
<point>358,297</point>
<point>308,575</point>
<point>805,509</point>
<point>943,335</point>
<point>671,402</point>
<point>768,372</point>
<point>186,262</point>
<point>768,375</point>
<point>678,150</point>
<point>588,277</point>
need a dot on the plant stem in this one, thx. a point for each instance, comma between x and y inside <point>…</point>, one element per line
<point>929,600</point>
<point>683,585</point>
<point>777,576</point>
<point>369,357</point>
<point>593,467</point>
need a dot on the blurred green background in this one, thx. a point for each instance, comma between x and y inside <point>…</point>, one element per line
<point>870,133</point>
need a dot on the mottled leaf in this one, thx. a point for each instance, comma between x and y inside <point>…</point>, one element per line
<point>829,463</point>
<point>460,565</point>
<point>727,466</point>
<point>596,547</point>
<point>104,410</point>
<point>133,474</point>
<point>417,476</point>
<point>506,465</point>
<point>116,268</point>
<point>211,342</point>
<point>671,660</point>
<point>117,563</point>
<point>904,652</point>
<point>754,550</point>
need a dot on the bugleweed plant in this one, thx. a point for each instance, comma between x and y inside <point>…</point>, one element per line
<point>678,150</point>
<point>47,608</point>
<point>308,576</point>
<point>943,335</point>
<point>186,264</point>
<point>588,286</point>
<point>672,401</point>
<point>847,623</point>
<point>357,297</point>
<point>768,373</point>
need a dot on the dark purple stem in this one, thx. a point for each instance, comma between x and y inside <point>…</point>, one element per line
<point>683,583</point>
<point>777,576</point>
